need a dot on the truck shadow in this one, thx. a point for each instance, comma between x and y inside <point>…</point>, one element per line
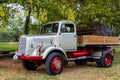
<point>9,65</point>
<point>71,67</point>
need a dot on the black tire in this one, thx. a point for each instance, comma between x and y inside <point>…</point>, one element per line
<point>106,60</point>
<point>80,62</point>
<point>54,63</point>
<point>29,65</point>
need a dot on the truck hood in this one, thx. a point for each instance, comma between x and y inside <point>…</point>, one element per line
<point>46,40</point>
<point>30,43</point>
<point>37,40</point>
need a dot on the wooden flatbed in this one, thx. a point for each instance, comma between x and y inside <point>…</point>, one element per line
<point>97,40</point>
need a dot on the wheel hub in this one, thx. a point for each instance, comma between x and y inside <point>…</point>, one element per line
<point>108,59</point>
<point>56,64</point>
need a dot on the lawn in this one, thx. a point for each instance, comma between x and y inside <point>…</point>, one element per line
<point>13,70</point>
<point>9,46</point>
<point>117,50</point>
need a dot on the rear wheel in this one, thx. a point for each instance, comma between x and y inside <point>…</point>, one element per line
<point>106,60</point>
<point>29,65</point>
<point>54,63</point>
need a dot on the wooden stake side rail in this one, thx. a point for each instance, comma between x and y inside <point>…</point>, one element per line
<point>97,40</point>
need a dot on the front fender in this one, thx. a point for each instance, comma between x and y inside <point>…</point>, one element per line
<point>47,50</point>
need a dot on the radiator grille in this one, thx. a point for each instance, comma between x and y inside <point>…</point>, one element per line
<point>22,46</point>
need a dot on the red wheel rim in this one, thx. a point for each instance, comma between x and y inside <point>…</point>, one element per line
<point>56,64</point>
<point>108,59</point>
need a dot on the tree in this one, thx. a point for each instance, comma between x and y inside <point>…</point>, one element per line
<point>104,11</point>
<point>89,11</point>
<point>45,11</point>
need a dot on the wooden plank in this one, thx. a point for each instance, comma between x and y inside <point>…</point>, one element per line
<point>111,40</point>
<point>80,39</point>
<point>97,40</point>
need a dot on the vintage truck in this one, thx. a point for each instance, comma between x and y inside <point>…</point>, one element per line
<point>59,43</point>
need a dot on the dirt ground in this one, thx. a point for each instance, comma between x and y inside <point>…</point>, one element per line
<point>13,70</point>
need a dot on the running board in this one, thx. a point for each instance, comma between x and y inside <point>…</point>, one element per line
<point>84,57</point>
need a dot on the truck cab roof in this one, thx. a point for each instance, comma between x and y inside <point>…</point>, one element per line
<point>61,21</point>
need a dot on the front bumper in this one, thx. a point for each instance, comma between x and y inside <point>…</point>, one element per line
<point>30,57</point>
<point>21,57</point>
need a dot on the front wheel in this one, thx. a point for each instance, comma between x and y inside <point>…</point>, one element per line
<point>54,63</point>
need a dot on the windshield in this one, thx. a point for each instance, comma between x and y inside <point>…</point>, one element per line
<point>49,28</point>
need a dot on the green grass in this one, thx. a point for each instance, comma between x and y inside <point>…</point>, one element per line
<point>8,46</point>
<point>117,50</point>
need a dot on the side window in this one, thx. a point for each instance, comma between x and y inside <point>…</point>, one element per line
<point>67,28</point>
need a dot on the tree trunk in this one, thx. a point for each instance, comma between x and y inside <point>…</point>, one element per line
<point>26,27</point>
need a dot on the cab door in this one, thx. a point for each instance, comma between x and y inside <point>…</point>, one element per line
<point>68,37</point>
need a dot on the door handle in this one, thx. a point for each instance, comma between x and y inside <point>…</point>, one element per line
<point>74,36</point>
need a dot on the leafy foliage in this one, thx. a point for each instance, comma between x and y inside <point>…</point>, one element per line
<point>102,11</point>
<point>12,35</point>
<point>1,11</point>
<point>88,11</point>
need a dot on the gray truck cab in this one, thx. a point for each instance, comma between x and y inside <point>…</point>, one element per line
<point>59,35</point>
